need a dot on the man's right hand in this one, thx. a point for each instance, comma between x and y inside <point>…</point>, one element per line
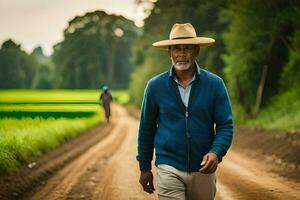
<point>146,180</point>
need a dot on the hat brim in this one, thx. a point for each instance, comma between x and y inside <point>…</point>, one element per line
<point>201,41</point>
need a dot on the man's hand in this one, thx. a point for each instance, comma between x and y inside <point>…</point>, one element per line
<point>209,163</point>
<point>146,180</point>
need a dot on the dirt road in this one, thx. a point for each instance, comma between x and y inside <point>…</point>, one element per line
<point>240,178</point>
<point>108,170</point>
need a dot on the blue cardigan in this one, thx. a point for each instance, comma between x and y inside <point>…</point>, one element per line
<point>182,135</point>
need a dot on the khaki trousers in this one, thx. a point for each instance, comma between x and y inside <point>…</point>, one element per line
<point>179,185</point>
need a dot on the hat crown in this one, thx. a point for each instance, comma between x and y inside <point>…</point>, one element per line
<point>182,31</point>
<point>182,34</point>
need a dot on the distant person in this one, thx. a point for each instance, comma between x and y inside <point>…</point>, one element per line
<point>186,117</point>
<point>106,98</point>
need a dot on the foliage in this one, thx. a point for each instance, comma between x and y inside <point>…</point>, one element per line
<point>95,51</point>
<point>121,96</point>
<point>38,127</point>
<point>44,119</point>
<point>290,78</point>
<point>255,39</point>
<point>43,114</point>
<point>45,74</point>
<point>16,66</point>
<point>22,139</point>
<point>251,36</point>
<point>140,78</point>
<point>282,112</point>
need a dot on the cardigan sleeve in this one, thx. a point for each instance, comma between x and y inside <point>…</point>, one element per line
<point>147,129</point>
<point>223,120</point>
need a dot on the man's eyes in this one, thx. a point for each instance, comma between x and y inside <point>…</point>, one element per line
<point>185,49</point>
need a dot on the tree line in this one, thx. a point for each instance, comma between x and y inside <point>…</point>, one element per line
<point>95,51</point>
<point>257,50</point>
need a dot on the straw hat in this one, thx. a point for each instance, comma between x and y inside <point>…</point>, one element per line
<point>184,34</point>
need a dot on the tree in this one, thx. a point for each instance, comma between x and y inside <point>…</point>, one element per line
<point>45,72</point>
<point>290,77</point>
<point>95,51</point>
<point>16,66</point>
<point>258,38</point>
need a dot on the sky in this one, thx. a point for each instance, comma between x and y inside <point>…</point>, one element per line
<point>33,23</point>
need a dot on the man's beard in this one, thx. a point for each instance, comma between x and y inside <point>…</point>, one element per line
<point>181,66</point>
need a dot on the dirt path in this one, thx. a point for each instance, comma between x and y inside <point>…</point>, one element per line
<point>108,170</point>
<point>240,178</point>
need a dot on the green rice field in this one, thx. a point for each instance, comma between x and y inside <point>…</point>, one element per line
<point>33,122</point>
<point>57,96</point>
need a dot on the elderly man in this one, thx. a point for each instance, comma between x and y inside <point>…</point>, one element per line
<point>186,116</point>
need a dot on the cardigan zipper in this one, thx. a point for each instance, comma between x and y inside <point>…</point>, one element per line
<point>187,133</point>
<point>187,140</point>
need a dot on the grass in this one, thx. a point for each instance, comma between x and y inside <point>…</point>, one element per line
<point>42,114</point>
<point>35,121</point>
<point>50,107</point>
<point>58,96</point>
<point>48,96</point>
<point>22,139</point>
<point>48,110</point>
<point>282,113</point>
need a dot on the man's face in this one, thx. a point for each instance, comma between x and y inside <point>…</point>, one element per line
<point>183,56</point>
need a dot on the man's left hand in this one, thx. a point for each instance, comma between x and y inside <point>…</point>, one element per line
<point>209,163</point>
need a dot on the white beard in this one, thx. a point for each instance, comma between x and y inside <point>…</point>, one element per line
<point>181,67</point>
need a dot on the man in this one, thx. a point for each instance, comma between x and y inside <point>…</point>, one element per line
<point>106,99</point>
<point>186,116</point>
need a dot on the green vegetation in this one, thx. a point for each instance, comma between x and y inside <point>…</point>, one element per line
<point>256,52</point>
<point>74,107</point>
<point>22,139</point>
<point>49,96</point>
<point>58,96</point>
<point>16,66</point>
<point>42,114</point>
<point>283,113</point>
<point>35,121</point>
<point>95,51</point>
